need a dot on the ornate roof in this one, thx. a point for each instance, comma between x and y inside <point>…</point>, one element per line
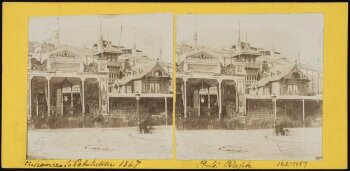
<point>279,72</point>
<point>112,49</point>
<point>201,54</point>
<point>141,70</point>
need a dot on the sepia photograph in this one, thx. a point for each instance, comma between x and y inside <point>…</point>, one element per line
<point>174,85</point>
<point>249,87</point>
<point>100,87</point>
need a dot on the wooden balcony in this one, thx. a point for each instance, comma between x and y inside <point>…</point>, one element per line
<point>252,65</point>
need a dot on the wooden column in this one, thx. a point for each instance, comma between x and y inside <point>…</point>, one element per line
<point>107,103</point>
<point>37,104</point>
<point>219,99</point>
<point>62,97</point>
<point>107,94</point>
<point>208,97</point>
<point>199,103</point>
<point>274,101</point>
<point>247,106</point>
<point>71,99</point>
<point>99,94</point>
<point>185,92</point>
<point>138,112</point>
<point>166,111</point>
<point>48,96</point>
<point>236,91</point>
<point>83,97</point>
<point>30,97</point>
<point>303,113</point>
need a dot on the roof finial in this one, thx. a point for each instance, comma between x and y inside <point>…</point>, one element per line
<point>239,32</point>
<point>195,23</point>
<point>101,33</point>
<point>134,51</point>
<point>108,35</point>
<point>57,34</point>
<point>160,54</point>
<point>195,35</point>
<point>100,40</point>
<point>238,46</point>
<point>120,35</point>
<point>299,57</point>
<point>134,45</point>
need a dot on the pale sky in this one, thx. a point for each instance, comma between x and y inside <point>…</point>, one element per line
<point>289,33</point>
<point>150,32</point>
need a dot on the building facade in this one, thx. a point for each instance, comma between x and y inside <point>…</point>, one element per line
<point>61,81</point>
<point>244,81</point>
<point>103,79</point>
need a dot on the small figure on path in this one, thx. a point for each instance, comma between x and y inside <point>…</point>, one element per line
<point>144,125</point>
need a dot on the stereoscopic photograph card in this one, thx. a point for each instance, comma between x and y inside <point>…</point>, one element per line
<point>174,85</point>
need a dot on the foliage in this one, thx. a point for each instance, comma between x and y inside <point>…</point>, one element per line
<point>225,123</point>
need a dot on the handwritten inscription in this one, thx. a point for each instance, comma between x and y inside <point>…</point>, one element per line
<point>297,164</point>
<point>129,164</point>
<point>231,164</point>
<point>84,163</point>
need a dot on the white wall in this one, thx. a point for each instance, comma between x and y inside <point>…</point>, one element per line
<point>276,88</point>
<point>261,91</point>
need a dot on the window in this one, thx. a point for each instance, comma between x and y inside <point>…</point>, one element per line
<point>151,87</point>
<point>157,87</point>
<point>239,68</point>
<point>154,87</point>
<point>128,89</point>
<point>137,86</point>
<point>157,73</point>
<point>266,91</point>
<point>293,90</point>
<point>76,88</point>
<point>112,76</point>
<point>296,75</point>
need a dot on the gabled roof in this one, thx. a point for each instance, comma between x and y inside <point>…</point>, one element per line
<point>112,49</point>
<point>279,73</point>
<point>76,50</point>
<point>199,51</point>
<point>141,70</point>
<point>65,52</point>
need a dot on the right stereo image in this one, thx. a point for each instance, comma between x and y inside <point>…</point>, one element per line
<point>249,87</point>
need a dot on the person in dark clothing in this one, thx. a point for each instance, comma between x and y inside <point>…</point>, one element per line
<point>143,126</point>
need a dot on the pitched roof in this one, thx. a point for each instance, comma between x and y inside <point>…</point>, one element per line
<point>82,52</point>
<point>141,70</point>
<point>112,49</point>
<point>283,71</point>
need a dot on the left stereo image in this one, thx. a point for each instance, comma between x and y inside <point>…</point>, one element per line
<point>100,86</point>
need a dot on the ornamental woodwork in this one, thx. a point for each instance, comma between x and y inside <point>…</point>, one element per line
<point>201,55</point>
<point>38,66</point>
<point>64,53</point>
<point>229,70</point>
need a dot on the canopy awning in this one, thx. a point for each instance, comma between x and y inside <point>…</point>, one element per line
<point>141,95</point>
<point>287,97</point>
